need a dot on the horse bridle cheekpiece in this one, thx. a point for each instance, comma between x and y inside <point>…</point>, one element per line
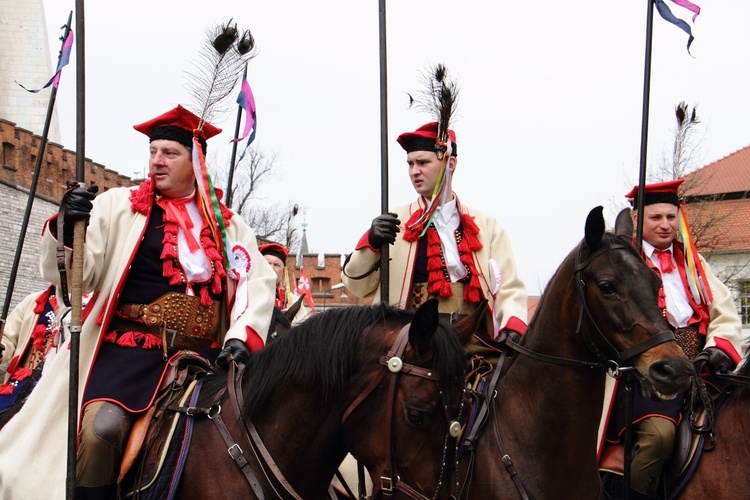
<point>620,356</point>
<point>612,363</point>
<point>393,361</point>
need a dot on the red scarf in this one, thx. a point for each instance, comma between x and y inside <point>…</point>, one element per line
<point>437,281</point>
<point>141,200</point>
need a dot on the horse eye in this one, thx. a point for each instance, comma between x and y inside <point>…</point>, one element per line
<point>416,418</point>
<point>606,287</point>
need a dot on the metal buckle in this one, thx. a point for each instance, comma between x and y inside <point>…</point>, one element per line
<point>386,485</point>
<point>237,451</point>
<point>173,333</point>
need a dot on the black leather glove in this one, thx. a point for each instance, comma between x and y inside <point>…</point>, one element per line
<point>233,350</point>
<point>77,206</point>
<point>716,359</point>
<point>383,230</point>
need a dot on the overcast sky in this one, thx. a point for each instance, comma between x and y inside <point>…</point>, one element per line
<point>549,115</point>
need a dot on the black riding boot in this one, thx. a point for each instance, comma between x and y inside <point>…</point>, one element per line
<point>107,492</point>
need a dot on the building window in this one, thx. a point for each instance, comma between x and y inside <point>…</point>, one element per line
<point>9,155</point>
<point>744,300</point>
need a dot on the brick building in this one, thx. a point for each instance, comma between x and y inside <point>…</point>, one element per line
<point>18,160</point>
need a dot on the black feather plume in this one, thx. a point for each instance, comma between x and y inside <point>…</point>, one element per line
<point>439,98</point>
<point>217,69</point>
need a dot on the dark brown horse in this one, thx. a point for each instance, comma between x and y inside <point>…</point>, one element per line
<point>378,382</point>
<point>598,313</point>
<point>721,471</point>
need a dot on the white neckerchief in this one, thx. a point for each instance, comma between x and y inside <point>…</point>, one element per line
<point>679,310</point>
<point>447,219</point>
<point>196,265</point>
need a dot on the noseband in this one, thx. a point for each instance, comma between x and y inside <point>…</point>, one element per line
<point>393,361</point>
<point>605,362</point>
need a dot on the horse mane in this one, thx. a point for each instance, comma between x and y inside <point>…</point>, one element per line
<point>319,352</point>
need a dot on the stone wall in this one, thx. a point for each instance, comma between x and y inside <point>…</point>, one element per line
<point>18,160</point>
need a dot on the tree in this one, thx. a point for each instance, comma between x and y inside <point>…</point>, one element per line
<point>270,221</point>
<point>708,222</point>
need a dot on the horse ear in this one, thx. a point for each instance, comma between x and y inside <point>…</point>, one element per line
<point>594,228</point>
<point>423,327</point>
<point>624,224</point>
<point>292,311</point>
<point>466,327</point>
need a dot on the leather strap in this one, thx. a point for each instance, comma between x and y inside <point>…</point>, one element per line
<point>61,261</point>
<point>259,448</point>
<point>237,455</point>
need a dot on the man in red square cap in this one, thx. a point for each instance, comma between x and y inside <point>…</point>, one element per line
<point>276,255</point>
<point>441,248</point>
<point>700,310</point>
<point>163,282</point>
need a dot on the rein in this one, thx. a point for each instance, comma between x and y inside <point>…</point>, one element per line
<point>390,481</point>
<point>612,366</point>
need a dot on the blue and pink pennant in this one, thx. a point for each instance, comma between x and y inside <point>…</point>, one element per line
<point>667,15</point>
<point>246,100</point>
<point>61,63</point>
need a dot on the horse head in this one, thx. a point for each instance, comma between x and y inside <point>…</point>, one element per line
<point>411,447</point>
<point>619,315</point>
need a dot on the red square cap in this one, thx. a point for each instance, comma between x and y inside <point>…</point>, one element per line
<point>659,192</point>
<point>425,139</point>
<point>274,249</point>
<point>177,124</point>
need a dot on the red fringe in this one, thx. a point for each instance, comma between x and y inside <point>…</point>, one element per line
<point>21,374</point>
<point>142,198</point>
<point>151,341</point>
<point>470,233</point>
<point>412,234</point>
<point>141,201</point>
<point>41,300</point>
<point>127,339</point>
<point>7,389</point>
<point>205,297</point>
<point>168,252</point>
<point>437,283</point>
<point>110,337</point>
<point>38,336</point>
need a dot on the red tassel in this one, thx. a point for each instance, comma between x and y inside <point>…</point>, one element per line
<point>21,373</point>
<point>141,198</point>
<point>38,335</point>
<point>7,389</point>
<point>472,290</point>
<point>127,339</point>
<point>470,232</point>
<point>206,299</point>
<point>226,213</point>
<point>412,234</point>
<point>110,337</point>
<point>168,252</point>
<point>151,341</point>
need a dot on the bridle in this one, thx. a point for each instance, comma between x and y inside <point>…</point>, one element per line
<point>395,366</point>
<point>612,364</point>
<point>389,481</point>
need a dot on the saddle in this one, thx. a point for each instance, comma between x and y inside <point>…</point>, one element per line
<point>148,447</point>
<point>690,443</point>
